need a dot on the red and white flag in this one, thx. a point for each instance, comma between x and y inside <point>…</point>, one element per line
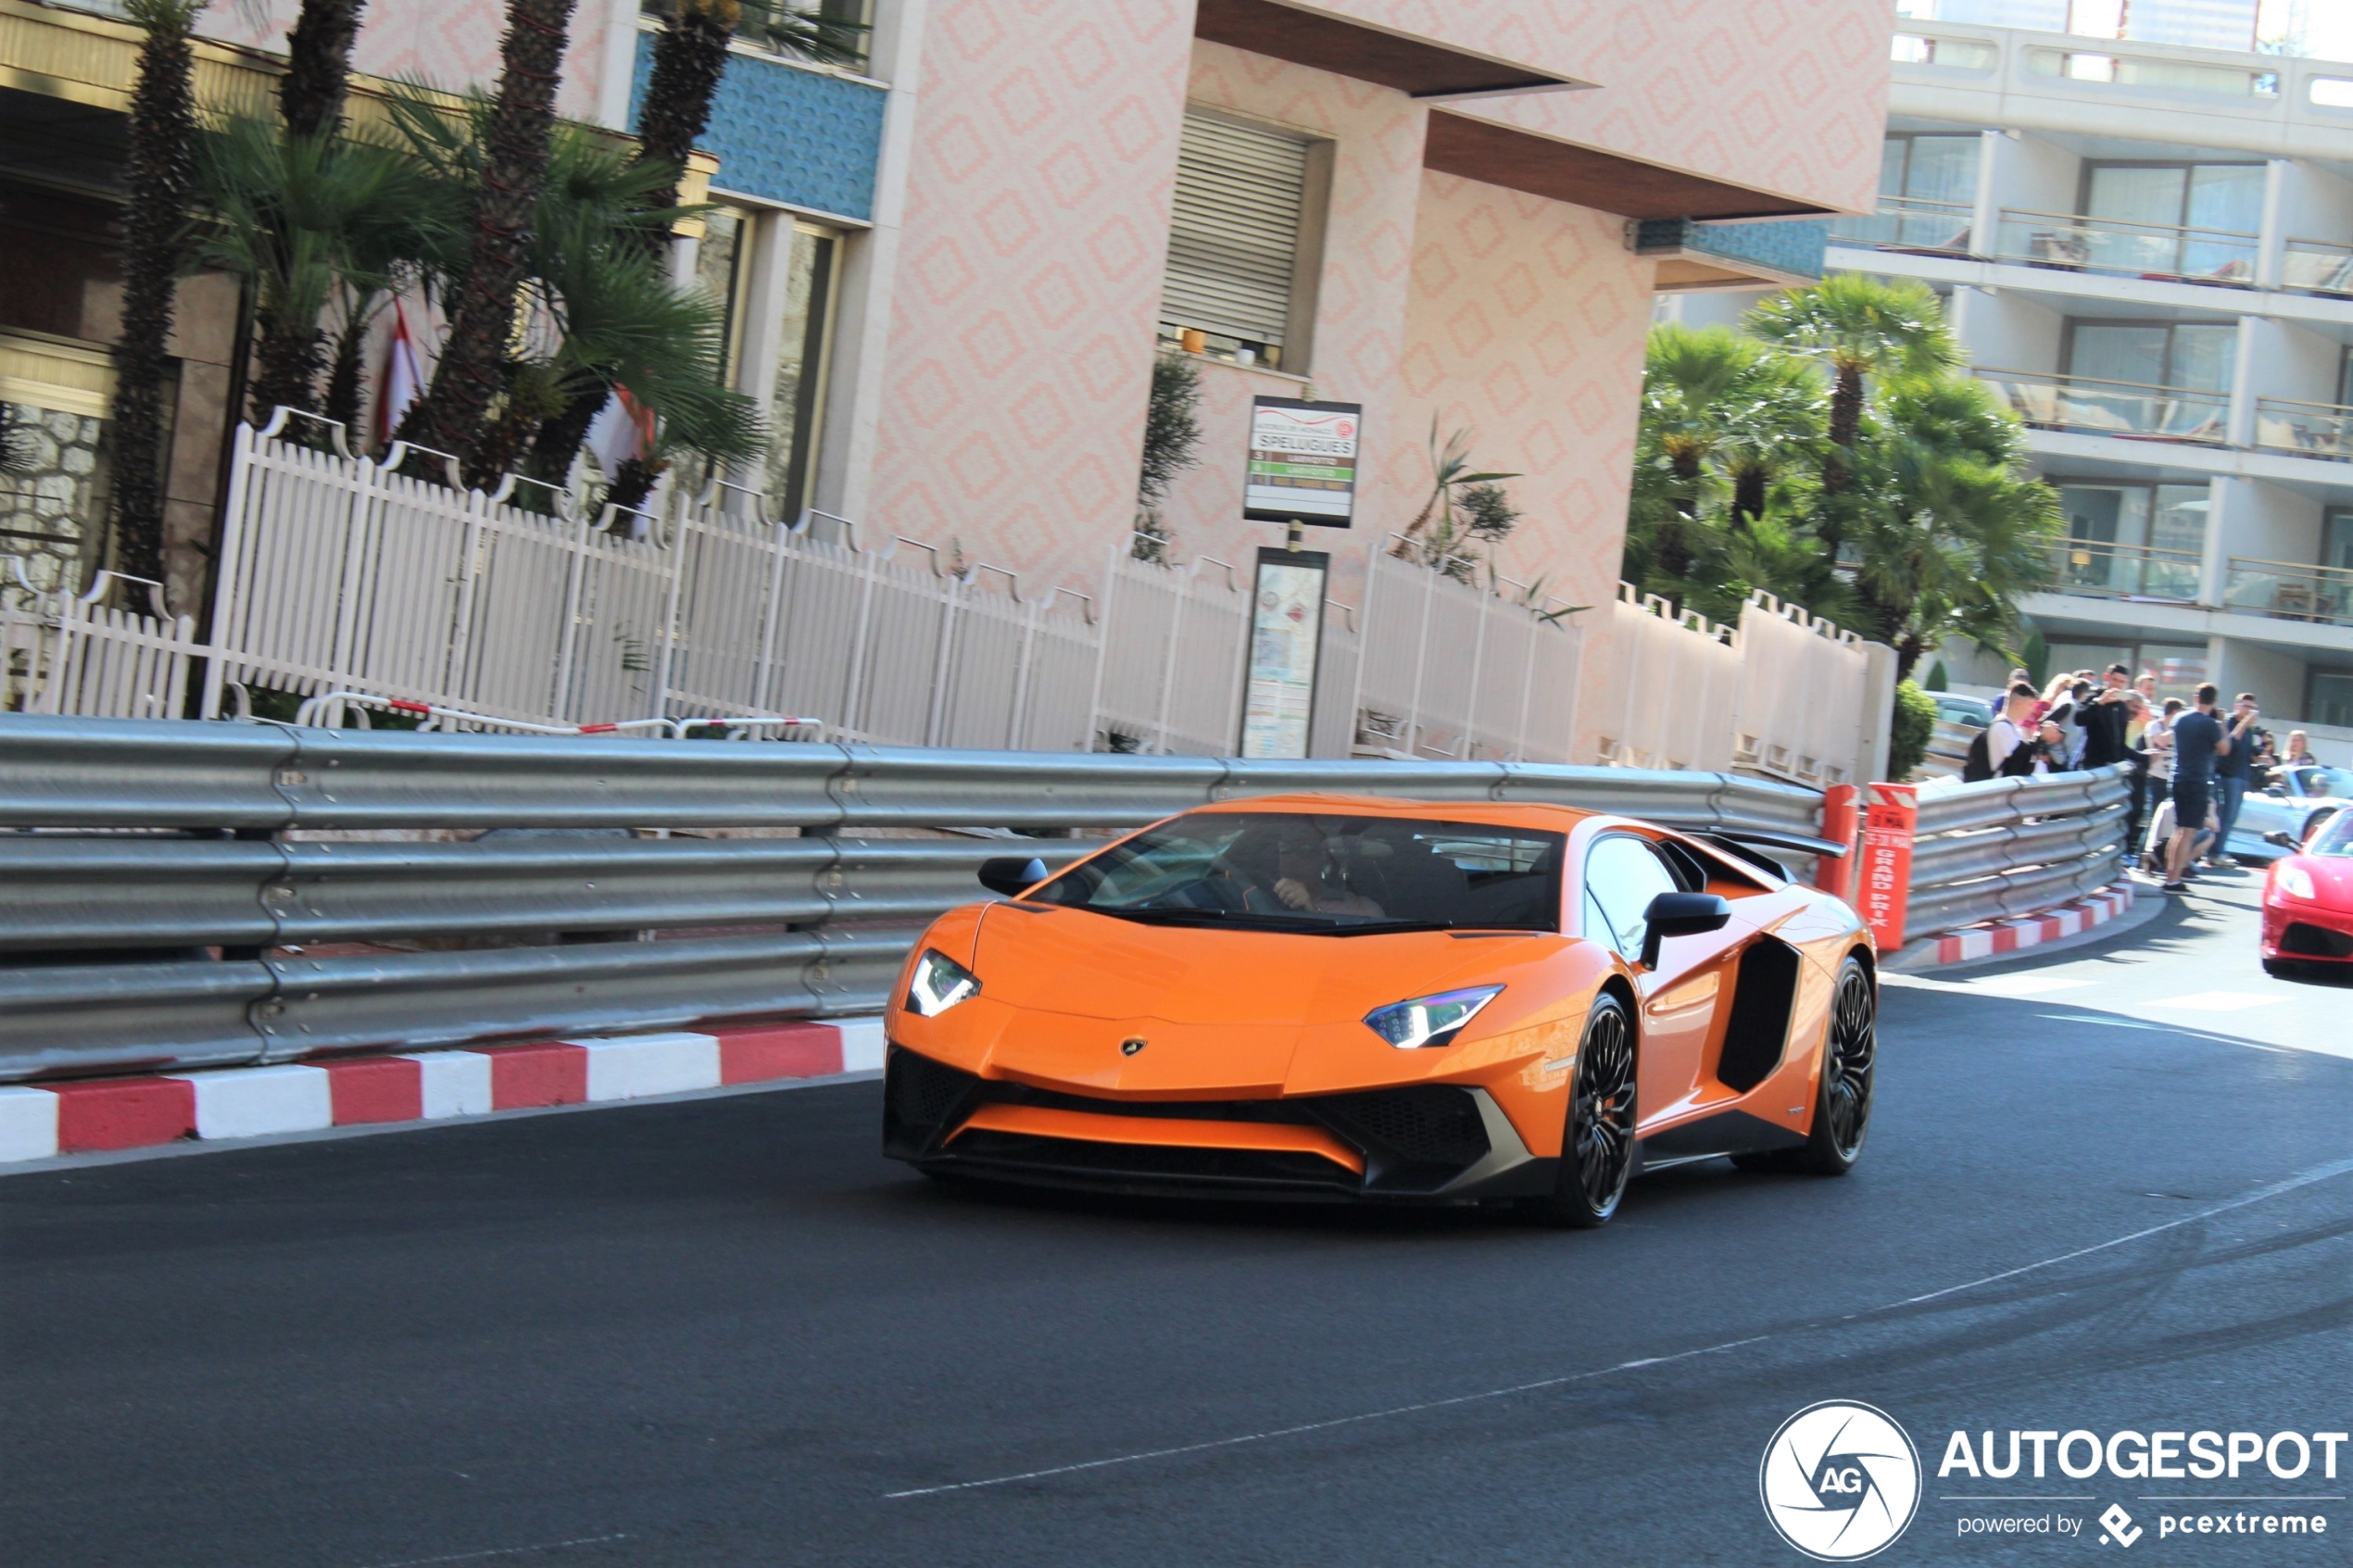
<point>624,429</point>
<point>404,378</point>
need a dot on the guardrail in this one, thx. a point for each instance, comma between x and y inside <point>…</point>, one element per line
<point>153,844</point>
<point>2010,846</point>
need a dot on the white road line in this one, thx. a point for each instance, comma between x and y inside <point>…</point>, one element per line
<point>2276,1190</point>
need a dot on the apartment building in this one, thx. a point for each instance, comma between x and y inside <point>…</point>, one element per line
<point>2148,251</point>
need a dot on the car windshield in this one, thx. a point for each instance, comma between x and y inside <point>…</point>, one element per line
<point>2336,836</point>
<point>1327,875</point>
<point>2334,782</point>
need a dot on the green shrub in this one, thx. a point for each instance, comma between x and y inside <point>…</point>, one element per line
<point>1909,735</point>
<point>1937,680</point>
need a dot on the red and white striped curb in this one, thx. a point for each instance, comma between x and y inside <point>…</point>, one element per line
<point>1996,937</point>
<point>244,1102</point>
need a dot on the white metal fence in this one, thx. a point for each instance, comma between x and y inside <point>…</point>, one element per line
<point>342,574</point>
<point>1782,693</point>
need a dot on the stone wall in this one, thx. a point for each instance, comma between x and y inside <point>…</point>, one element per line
<point>46,511</point>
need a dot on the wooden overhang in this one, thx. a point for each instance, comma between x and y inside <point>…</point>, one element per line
<point>1472,145</point>
<point>1345,47</point>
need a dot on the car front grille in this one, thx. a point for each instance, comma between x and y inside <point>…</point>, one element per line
<point>2315,942</point>
<point>1413,1139</point>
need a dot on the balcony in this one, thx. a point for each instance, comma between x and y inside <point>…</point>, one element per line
<point>2318,267</point>
<point>2124,409</point>
<point>2101,570</point>
<point>2160,252</point>
<point>2304,430</point>
<point>1908,223</point>
<point>2286,591</point>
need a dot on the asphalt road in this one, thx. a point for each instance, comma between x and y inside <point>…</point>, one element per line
<point>726,1332</point>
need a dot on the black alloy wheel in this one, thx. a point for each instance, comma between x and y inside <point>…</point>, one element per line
<point>1597,1146</point>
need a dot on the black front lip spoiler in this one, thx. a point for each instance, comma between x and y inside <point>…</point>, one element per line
<point>1527,1176</point>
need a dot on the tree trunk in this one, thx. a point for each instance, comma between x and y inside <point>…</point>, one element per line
<point>344,393</point>
<point>1748,494</point>
<point>1847,429</point>
<point>689,56</point>
<point>161,174</point>
<point>559,439</point>
<point>449,419</point>
<point>286,370</point>
<point>318,66</point>
<point>634,482</point>
<point>1908,655</point>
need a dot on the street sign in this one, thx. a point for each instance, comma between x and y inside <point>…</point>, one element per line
<point>1285,640</point>
<point>1891,811</point>
<point>1302,461</point>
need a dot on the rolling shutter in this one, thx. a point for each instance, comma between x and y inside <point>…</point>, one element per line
<point>1234,244</point>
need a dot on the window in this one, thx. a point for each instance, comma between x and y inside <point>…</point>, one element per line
<point>1928,192</point>
<point>795,408</point>
<point>1244,243</point>
<point>2332,92</point>
<point>2330,700</point>
<point>2337,541</point>
<point>2193,357</point>
<point>2138,540</point>
<point>753,28</point>
<point>2193,220</point>
<point>1622,876</point>
<point>720,257</point>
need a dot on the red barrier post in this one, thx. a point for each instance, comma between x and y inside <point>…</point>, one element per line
<point>1834,873</point>
<point>1889,816</point>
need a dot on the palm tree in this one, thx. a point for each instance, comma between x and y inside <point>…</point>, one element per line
<point>470,373</point>
<point>304,219</point>
<point>161,175</point>
<point>1951,534</point>
<point>318,66</point>
<point>1858,327</point>
<point>616,316</point>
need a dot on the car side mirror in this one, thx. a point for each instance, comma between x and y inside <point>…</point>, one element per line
<point>1011,874</point>
<point>1680,914</point>
<point>2283,840</point>
<point>2277,791</point>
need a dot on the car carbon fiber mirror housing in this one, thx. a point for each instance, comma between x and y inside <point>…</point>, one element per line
<point>1680,914</point>
<point>1011,874</point>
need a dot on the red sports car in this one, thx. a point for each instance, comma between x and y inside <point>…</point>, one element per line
<point>2308,903</point>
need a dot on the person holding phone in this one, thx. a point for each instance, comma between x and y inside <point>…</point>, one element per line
<point>2234,770</point>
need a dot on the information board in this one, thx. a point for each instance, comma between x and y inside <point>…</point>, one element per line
<point>1286,641</point>
<point>1303,462</point>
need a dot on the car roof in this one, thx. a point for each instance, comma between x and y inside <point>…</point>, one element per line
<point>1490,813</point>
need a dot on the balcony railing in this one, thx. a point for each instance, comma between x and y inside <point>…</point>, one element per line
<point>2286,591</point>
<point>2317,266</point>
<point>2126,409</point>
<point>2167,252</point>
<point>2128,571</point>
<point>1909,224</point>
<point>2307,430</point>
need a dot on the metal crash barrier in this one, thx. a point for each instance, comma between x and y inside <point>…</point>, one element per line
<point>2007,848</point>
<point>184,894</point>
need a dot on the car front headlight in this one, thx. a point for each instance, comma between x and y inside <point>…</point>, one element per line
<point>1429,1021</point>
<point>939,983</point>
<point>2295,882</point>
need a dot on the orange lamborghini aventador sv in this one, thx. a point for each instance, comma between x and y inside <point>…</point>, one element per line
<point>1327,997</point>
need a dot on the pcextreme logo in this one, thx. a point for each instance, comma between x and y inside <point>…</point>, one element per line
<point>1839,1481</point>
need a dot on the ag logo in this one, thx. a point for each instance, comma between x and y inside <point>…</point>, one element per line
<point>1130,1047</point>
<point>1839,1481</point>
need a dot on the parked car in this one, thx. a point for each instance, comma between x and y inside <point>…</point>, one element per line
<point>1312,996</point>
<point>2298,800</point>
<point>1973,712</point>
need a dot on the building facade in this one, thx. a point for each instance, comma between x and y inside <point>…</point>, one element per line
<point>2148,251</point>
<point>951,268</point>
